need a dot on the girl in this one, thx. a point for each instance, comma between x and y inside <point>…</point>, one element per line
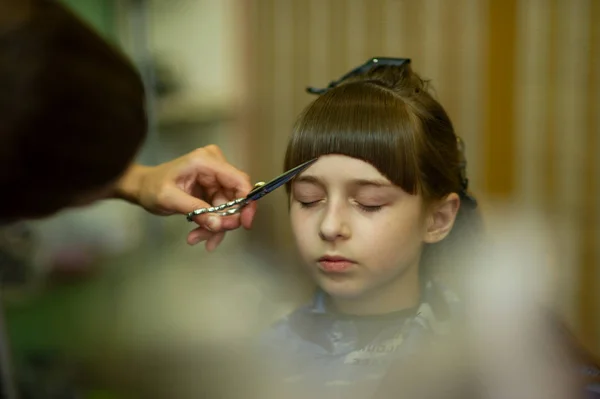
<point>371,219</point>
<point>385,204</point>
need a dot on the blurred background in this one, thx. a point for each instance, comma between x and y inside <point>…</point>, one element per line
<point>519,78</point>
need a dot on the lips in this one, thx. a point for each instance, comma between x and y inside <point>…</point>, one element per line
<point>335,264</point>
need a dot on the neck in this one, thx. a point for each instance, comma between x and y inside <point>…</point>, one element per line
<point>401,293</point>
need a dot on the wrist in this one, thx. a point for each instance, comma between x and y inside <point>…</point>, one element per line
<point>128,187</point>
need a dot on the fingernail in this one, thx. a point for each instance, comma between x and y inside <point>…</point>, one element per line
<point>212,223</point>
<point>195,241</point>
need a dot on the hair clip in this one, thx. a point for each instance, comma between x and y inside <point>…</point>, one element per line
<point>372,62</point>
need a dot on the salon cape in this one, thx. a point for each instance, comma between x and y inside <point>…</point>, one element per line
<point>317,353</point>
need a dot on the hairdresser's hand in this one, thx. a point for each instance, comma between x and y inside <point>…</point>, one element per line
<point>199,179</point>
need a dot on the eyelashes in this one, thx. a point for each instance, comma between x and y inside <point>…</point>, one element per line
<point>370,208</point>
<point>364,208</point>
<point>308,204</point>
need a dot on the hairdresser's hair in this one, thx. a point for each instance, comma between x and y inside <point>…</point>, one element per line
<point>387,118</point>
<point>72,109</point>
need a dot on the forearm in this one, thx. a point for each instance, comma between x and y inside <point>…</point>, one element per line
<point>128,187</point>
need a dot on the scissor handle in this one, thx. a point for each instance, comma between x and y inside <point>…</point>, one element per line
<point>220,210</point>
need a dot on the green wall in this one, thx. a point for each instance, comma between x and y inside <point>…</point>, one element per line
<point>99,13</point>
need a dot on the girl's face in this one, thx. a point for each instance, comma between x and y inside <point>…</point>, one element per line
<point>360,235</point>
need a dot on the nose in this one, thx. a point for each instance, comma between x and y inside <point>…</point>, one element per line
<point>334,225</point>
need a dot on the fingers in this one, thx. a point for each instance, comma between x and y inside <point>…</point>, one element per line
<point>175,199</point>
<point>215,223</point>
<point>198,235</point>
<point>178,201</point>
<point>213,227</point>
<point>247,215</point>
<point>215,151</point>
<point>200,179</point>
<point>234,180</point>
<point>215,170</point>
<point>222,195</point>
<point>216,226</point>
<point>220,182</point>
<point>212,230</point>
<point>201,234</point>
<point>213,242</point>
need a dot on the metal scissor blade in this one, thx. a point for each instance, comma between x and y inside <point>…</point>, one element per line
<point>279,181</point>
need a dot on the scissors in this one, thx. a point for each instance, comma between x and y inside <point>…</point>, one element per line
<point>260,190</point>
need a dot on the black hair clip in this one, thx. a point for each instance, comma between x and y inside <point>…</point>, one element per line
<point>376,61</point>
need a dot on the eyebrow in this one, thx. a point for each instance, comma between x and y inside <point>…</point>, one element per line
<point>355,182</point>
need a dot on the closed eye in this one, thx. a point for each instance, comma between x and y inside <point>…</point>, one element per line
<point>309,204</point>
<point>370,208</point>
<point>365,208</point>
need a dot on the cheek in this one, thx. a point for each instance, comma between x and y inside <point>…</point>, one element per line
<point>295,220</point>
<point>392,241</point>
<point>301,227</point>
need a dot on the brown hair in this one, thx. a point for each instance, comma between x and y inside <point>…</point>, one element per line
<point>387,118</point>
<point>72,109</point>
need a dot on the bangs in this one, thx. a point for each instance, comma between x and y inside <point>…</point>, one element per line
<point>362,120</point>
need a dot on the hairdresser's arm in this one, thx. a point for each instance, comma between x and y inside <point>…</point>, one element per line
<point>199,179</point>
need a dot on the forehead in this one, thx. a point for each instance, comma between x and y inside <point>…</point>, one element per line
<point>332,168</point>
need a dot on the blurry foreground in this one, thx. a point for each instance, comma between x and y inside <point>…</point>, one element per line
<point>186,331</point>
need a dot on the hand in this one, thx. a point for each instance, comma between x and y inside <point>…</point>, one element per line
<point>199,179</point>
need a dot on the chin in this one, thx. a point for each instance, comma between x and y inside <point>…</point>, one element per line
<point>341,290</point>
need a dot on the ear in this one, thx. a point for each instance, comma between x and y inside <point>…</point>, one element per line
<point>441,218</point>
